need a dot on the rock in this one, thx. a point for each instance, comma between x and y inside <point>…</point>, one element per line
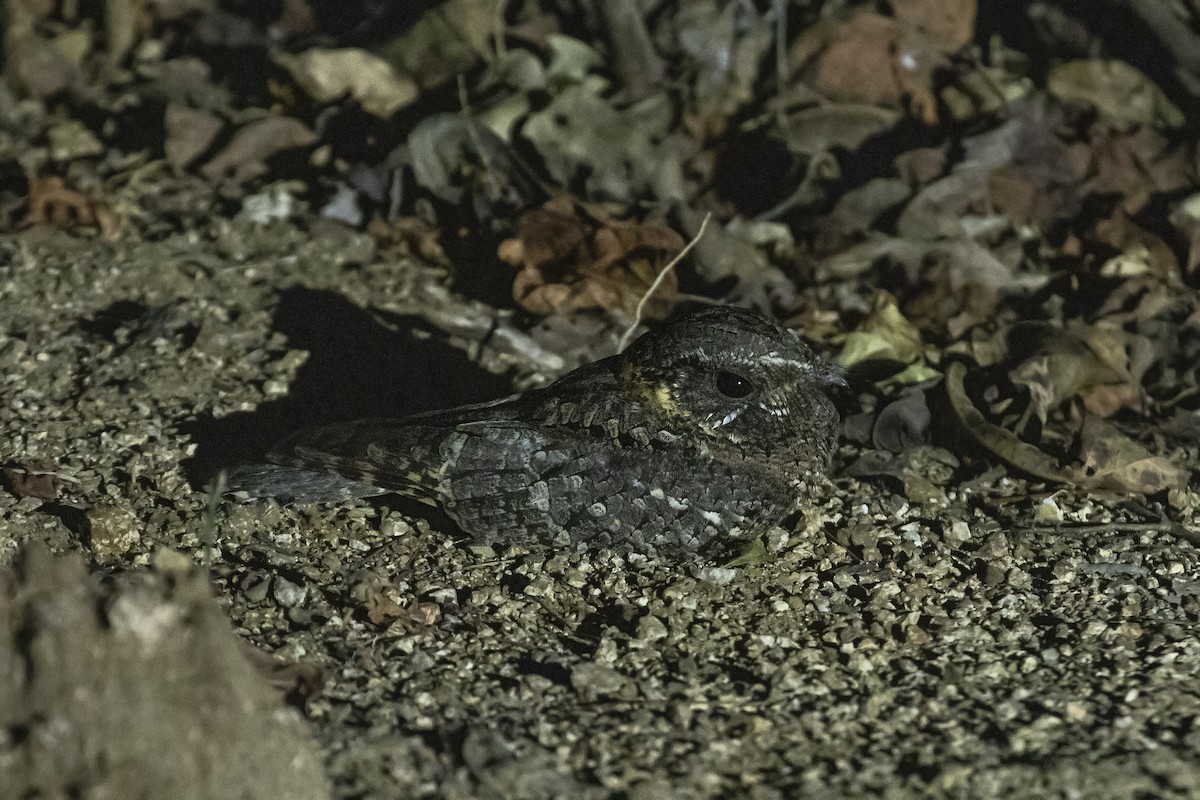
<point>137,688</point>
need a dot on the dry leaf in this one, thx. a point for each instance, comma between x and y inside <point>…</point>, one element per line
<point>570,257</point>
<point>869,58</point>
<point>190,132</point>
<point>1116,89</point>
<point>1136,165</point>
<point>1003,443</point>
<point>1101,364</point>
<point>245,157</point>
<point>1111,460</point>
<point>51,202</point>
<point>38,479</point>
<point>884,334</point>
<point>328,75</point>
<point>950,24</point>
<point>1140,251</point>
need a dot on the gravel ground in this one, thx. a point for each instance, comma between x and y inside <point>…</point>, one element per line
<point>936,627</point>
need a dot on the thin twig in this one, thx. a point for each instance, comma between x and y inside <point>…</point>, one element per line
<point>641,306</point>
<point>1166,526</point>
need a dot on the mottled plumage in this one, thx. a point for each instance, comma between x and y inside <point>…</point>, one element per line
<point>715,425</point>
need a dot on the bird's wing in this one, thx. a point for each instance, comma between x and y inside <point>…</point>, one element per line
<point>507,480</point>
<point>529,467</point>
<point>385,455</point>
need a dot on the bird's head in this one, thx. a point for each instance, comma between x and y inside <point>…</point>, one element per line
<point>738,379</point>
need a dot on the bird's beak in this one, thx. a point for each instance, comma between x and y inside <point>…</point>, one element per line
<point>833,375</point>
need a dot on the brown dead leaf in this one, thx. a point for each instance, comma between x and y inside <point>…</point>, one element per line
<point>189,133</point>
<point>950,24</point>
<point>889,61</point>
<point>1144,297</point>
<point>38,479</point>
<point>52,202</point>
<point>1100,364</point>
<point>571,257</point>
<point>869,58</point>
<point>409,236</point>
<point>1023,168</point>
<point>1012,194</point>
<point>1119,91</point>
<point>1140,251</point>
<point>1136,165</point>
<point>1111,460</point>
<point>381,606</point>
<point>245,157</point>
<point>328,75</point>
<point>884,334</point>
<point>1003,443</point>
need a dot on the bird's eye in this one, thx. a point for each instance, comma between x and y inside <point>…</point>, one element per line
<point>733,385</point>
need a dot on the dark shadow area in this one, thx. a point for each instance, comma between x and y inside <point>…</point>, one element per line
<point>357,368</point>
<point>105,323</point>
<point>537,665</point>
<point>616,616</point>
<point>1052,32</point>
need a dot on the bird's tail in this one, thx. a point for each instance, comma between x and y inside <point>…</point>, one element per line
<point>295,485</point>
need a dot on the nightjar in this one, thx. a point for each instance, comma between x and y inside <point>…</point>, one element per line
<point>714,426</point>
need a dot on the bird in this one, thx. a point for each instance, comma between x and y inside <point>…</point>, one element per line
<point>709,429</point>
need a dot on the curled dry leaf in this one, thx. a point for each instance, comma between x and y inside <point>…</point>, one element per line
<point>870,58</point>
<point>51,202</point>
<point>245,157</point>
<point>190,132</point>
<point>819,129</point>
<point>409,236</point>
<point>1120,92</point>
<point>1136,165</point>
<point>1101,364</point>
<point>570,258</point>
<point>1186,219</point>
<point>884,335</point>
<point>1002,442</point>
<point>328,75</point>
<point>38,479</point>
<point>1139,251</point>
<point>1111,460</point>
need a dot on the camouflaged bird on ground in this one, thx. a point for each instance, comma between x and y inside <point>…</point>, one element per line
<point>713,427</point>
